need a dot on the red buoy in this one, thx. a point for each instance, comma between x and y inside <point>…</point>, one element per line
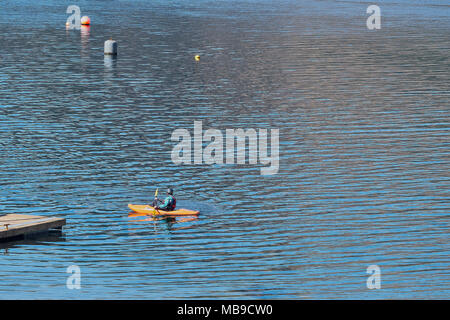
<point>85,21</point>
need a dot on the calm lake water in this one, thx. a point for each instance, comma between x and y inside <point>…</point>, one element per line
<point>364,148</point>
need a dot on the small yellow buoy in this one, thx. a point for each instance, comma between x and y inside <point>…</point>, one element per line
<point>197,58</point>
<point>85,21</point>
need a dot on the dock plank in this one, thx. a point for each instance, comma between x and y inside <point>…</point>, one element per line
<point>16,225</point>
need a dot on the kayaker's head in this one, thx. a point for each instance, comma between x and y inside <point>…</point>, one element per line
<point>170,191</point>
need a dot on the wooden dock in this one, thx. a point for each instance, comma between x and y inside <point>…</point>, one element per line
<point>13,226</point>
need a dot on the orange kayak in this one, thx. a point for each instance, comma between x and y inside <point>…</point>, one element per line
<point>149,210</point>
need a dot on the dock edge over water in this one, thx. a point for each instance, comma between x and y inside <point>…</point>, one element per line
<point>14,226</point>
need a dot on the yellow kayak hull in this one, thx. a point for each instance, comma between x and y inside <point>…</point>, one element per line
<point>149,210</point>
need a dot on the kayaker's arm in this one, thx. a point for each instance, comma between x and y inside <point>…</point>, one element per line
<point>155,202</point>
<point>166,204</point>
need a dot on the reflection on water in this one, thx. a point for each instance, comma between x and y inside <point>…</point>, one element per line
<point>50,236</point>
<point>364,127</point>
<point>171,223</point>
<point>110,62</point>
<point>85,33</point>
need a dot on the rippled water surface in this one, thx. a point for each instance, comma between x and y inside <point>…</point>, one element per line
<point>364,148</point>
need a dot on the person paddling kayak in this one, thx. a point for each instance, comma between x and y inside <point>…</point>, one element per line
<point>169,204</point>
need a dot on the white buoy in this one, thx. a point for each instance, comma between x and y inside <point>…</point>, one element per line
<point>111,47</point>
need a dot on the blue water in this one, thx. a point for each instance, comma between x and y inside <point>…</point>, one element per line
<point>364,148</point>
